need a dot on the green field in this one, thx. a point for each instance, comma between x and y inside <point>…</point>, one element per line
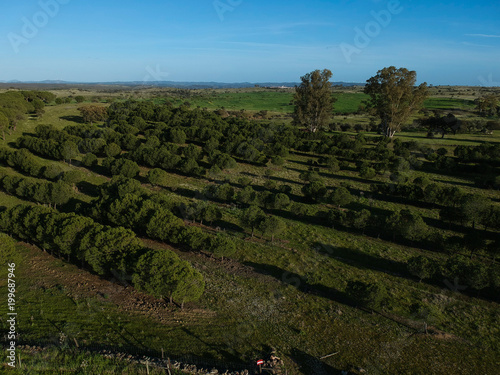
<point>288,294</point>
<point>449,103</point>
<point>280,101</point>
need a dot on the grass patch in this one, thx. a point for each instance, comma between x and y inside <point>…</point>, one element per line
<point>288,295</point>
<point>449,103</point>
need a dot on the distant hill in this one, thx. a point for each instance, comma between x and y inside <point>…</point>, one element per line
<point>183,85</point>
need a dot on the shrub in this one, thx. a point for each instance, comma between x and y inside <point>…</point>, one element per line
<point>157,176</point>
<point>340,197</point>
<point>221,246</point>
<point>89,160</point>
<point>372,296</point>
<point>315,190</point>
<point>422,267</point>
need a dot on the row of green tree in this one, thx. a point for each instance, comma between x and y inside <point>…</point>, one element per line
<point>15,105</point>
<point>24,162</point>
<point>409,226</point>
<point>457,205</point>
<point>465,271</point>
<point>466,275</point>
<point>46,192</point>
<point>107,251</point>
<point>251,141</point>
<point>124,202</point>
<point>486,152</point>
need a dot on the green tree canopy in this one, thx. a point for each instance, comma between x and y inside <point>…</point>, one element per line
<point>408,224</point>
<point>69,150</point>
<point>252,217</point>
<point>394,97</point>
<point>4,124</point>
<point>157,177</point>
<point>422,267</point>
<point>8,253</point>
<point>164,275</point>
<point>313,100</point>
<point>340,197</point>
<point>272,226</point>
<point>367,295</point>
<point>221,246</point>
<point>316,190</point>
<point>93,113</point>
<point>112,150</point>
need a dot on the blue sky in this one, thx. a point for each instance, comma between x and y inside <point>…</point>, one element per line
<point>446,42</point>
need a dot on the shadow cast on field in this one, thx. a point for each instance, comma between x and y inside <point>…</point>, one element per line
<point>303,153</point>
<point>469,185</point>
<point>336,176</point>
<point>363,260</point>
<point>285,180</point>
<point>300,283</point>
<point>76,119</point>
<point>228,356</point>
<point>88,188</point>
<point>309,364</point>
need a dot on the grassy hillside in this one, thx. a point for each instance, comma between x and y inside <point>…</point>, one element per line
<point>289,294</point>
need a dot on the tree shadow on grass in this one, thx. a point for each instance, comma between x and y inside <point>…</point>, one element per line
<point>285,180</point>
<point>227,355</point>
<point>362,260</point>
<point>468,185</point>
<point>300,283</point>
<point>88,188</point>
<point>303,153</point>
<point>77,119</point>
<point>312,365</point>
<point>336,176</point>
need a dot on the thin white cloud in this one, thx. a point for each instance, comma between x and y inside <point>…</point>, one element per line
<point>286,26</point>
<point>269,45</point>
<point>484,35</point>
<point>475,45</point>
<point>277,29</point>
